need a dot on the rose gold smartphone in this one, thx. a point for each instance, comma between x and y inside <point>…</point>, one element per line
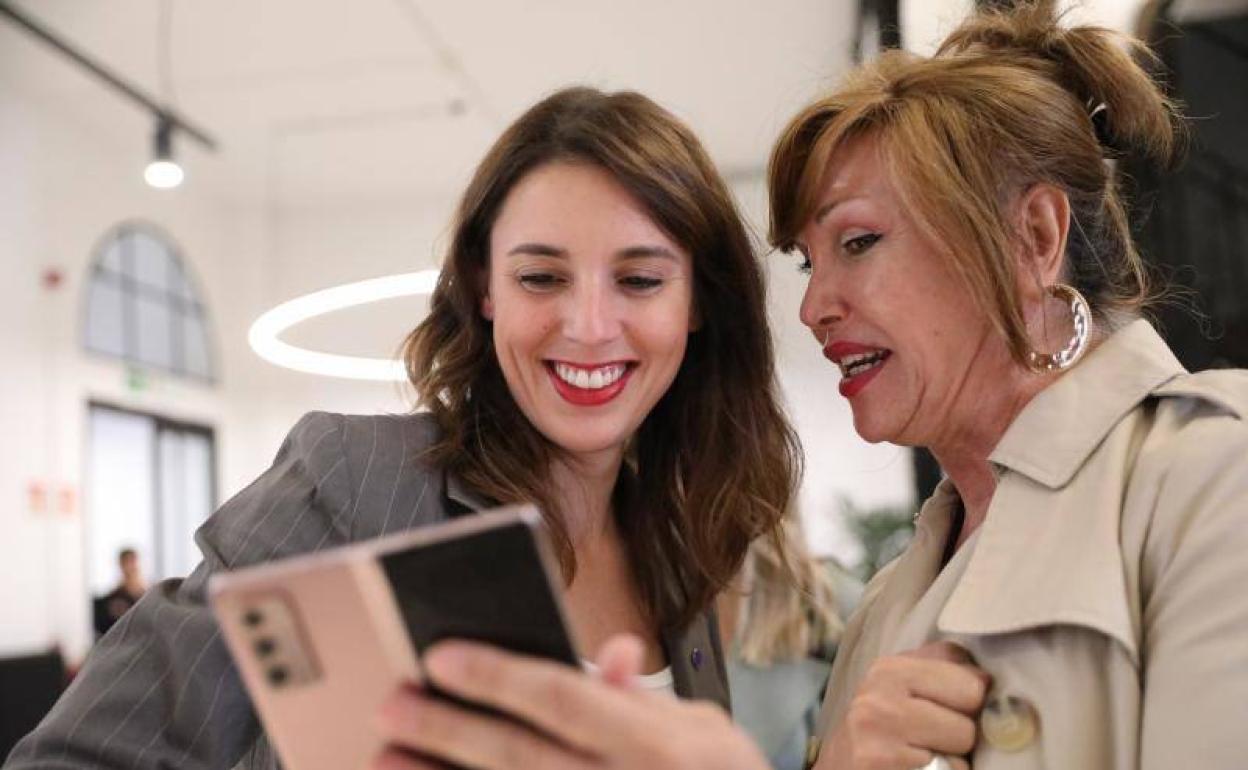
<point>322,640</point>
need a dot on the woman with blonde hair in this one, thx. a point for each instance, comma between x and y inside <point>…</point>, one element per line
<point>781,623</point>
<point>973,278</point>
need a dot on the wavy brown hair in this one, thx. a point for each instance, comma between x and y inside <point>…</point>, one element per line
<point>713,466</point>
<point>1010,99</point>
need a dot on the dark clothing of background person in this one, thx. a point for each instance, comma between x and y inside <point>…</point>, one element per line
<point>108,609</point>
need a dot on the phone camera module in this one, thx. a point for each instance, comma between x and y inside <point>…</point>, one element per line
<point>270,635</point>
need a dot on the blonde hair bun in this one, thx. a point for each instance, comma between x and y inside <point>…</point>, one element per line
<point>1106,70</point>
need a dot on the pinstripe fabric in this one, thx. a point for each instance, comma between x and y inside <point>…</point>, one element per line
<point>160,691</point>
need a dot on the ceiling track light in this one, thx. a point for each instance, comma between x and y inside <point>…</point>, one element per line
<point>163,172</point>
<point>162,168</point>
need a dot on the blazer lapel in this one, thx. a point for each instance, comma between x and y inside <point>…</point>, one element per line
<point>697,661</point>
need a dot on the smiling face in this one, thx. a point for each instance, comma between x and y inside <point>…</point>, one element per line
<point>919,361</point>
<point>591,304</point>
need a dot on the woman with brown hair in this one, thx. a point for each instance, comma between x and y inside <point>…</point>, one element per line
<point>973,277</point>
<point>596,342</point>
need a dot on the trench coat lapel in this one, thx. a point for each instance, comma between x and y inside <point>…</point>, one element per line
<point>915,570</point>
<point>1038,562</point>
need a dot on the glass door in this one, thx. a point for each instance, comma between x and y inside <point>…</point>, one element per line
<point>150,484</point>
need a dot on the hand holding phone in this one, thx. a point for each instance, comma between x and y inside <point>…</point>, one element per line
<point>322,640</point>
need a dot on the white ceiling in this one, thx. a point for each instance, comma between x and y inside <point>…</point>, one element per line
<point>317,103</point>
<point>321,103</point>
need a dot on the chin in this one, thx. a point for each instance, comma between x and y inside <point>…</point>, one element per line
<point>578,440</point>
<point>873,431</point>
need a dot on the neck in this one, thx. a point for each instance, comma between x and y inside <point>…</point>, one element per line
<point>584,486</point>
<point>964,453</point>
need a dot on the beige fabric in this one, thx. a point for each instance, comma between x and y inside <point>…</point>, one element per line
<point>1108,585</point>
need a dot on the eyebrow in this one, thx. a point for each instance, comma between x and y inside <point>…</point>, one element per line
<point>537,250</point>
<point>827,207</point>
<point>630,252</point>
<point>644,252</point>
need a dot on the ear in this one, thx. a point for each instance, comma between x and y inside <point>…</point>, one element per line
<point>1042,218</point>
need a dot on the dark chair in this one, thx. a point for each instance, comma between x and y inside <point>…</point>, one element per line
<point>29,685</point>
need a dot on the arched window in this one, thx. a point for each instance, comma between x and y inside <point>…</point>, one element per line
<point>143,306</point>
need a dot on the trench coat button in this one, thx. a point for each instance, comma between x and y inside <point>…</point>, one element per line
<point>1009,723</point>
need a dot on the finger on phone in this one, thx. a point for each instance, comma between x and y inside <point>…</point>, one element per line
<point>429,729</point>
<point>557,699</point>
<point>396,759</point>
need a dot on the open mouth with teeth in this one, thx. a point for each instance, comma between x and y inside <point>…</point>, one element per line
<point>589,385</point>
<point>858,363</point>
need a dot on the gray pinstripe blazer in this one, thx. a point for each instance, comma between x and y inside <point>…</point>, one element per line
<point>160,691</point>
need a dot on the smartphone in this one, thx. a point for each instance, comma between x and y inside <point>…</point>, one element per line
<point>321,640</point>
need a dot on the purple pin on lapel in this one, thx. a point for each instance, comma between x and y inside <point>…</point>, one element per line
<point>695,658</point>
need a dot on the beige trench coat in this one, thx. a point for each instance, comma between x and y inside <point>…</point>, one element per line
<point>1107,589</point>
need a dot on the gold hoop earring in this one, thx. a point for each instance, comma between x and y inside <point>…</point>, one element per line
<point>1081,318</point>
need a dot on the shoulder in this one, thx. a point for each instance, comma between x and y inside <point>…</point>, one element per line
<point>1198,427</point>
<point>361,436</point>
<point>1189,484</point>
<point>1212,392</point>
<point>369,471</point>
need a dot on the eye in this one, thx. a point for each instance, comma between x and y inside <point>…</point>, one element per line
<point>641,284</point>
<point>539,281</point>
<point>860,244</point>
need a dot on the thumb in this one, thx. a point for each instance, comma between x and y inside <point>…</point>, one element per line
<point>620,660</point>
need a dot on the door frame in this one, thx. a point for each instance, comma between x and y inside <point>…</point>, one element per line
<point>161,423</point>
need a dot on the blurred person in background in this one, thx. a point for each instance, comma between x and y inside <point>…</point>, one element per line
<point>108,609</point>
<point>781,624</point>
<point>1073,594</point>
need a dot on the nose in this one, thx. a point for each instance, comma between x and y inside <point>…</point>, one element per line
<point>591,316</point>
<point>822,304</point>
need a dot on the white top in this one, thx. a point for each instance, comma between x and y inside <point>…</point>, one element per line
<point>660,681</point>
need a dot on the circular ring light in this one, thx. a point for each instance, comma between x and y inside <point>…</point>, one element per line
<point>264,333</point>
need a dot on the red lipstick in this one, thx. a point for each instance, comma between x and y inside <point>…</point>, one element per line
<point>587,396</point>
